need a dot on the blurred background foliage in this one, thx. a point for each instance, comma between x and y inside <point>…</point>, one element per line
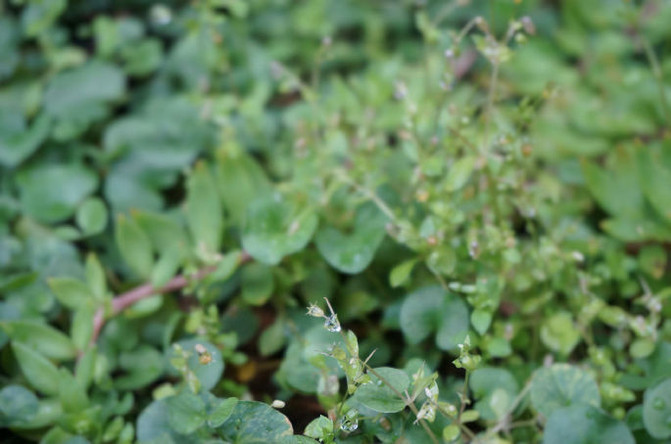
<point>499,168</point>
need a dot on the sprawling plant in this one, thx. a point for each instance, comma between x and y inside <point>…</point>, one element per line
<point>471,203</point>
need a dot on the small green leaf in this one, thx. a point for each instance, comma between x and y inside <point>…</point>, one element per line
<point>432,309</point>
<point>377,396</point>
<point>95,277</point>
<point>153,424</point>
<point>451,433</point>
<point>481,319</point>
<point>562,385</point>
<point>273,338</point>
<point>459,173</point>
<point>203,209</point>
<point>657,410</point>
<point>276,228</point>
<point>401,273</point>
<point>17,405</point>
<point>585,424</point>
<point>37,369</point>
<point>208,374</point>
<point>165,268</point>
<point>221,412</point>
<point>559,334</point>
<point>241,180</point>
<point>40,337</point>
<point>186,412</point>
<point>70,292</point>
<point>72,396</point>
<point>257,283</point>
<point>82,327</point>
<point>134,246</point>
<point>352,253</point>
<point>255,423</point>
<point>319,428</point>
<point>51,193</point>
<point>485,383</point>
<point>92,216</point>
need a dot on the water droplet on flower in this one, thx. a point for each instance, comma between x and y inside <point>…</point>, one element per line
<point>350,421</point>
<point>332,324</point>
<point>658,404</point>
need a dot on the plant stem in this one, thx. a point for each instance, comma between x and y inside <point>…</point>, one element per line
<point>123,301</point>
<point>408,402</point>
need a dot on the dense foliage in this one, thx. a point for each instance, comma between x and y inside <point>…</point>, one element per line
<point>472,199</point>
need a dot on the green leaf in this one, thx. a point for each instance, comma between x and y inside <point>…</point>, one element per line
<point>141,367</point>
<point>186,412</point>
<point>275,228</point>
<point>273,338</point>
<point>255,423</point>
<point>164,232</point>
<point>37,369</point>
<point>153,424</point>
<point>451,433</point>
<point>486,383</point>
<point>562,385</point>
<point>459,173</point>
<point>166,267</point>
<point>134,246</point>
<point>72,396</point>
<point>221,412</point>
<point>204,210</point>
<point>257,283</point>
<point>208,374</point>
<point>17,141</point>
<point>481,320</point>
<point>51,192</point>
<point>432,309</point>
<point>17,405</point>
<point>378,396</point>
<point>657,410</point>
<point>41,337</point>
<point>319,428</point>
<point>91,216</point>
<point>585,424</point>
<point>655,177</point>
<point>240,181</point>
<point>559,334</point>
<point>617,189</point>
<point>82,327</point>
<point>70,292</point>
<point>401,273</point>
<point>80,97</point>
<point>95,277</point>
<point>352,253</point>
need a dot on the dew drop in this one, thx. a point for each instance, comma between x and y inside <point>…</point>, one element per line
<point>332,324</point>
<point>350,421</point>
<point>658,404</point>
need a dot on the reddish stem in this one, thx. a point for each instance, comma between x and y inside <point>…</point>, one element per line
<point>125,300</point>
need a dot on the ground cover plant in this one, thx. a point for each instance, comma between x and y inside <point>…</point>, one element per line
<point>266,221</point>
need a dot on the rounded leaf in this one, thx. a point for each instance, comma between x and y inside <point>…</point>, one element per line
<point>585,424</point>
<point>657,410</point>
<point>562,385</point>
<point>255,423</point>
